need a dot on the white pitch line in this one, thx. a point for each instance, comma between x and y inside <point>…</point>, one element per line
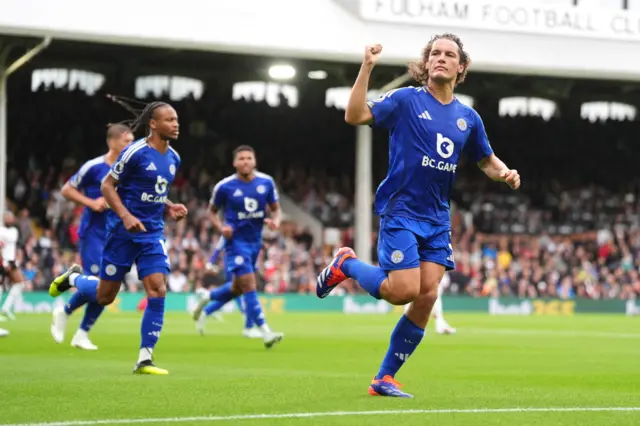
<point>327,414</point>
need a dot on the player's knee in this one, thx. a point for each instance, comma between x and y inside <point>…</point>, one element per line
<point>107,292</point>
<point>105,298</point>
<point>157,290</point>
<point>403,293</point>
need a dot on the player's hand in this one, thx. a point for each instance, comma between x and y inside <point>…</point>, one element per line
<point>372,54</point>
<point>178,211</point>
<point>272,224</point>
<point>99,205</point>
<point>132,224</point>
<point>227,231</point>
<point>511,178</point>
<point>212,267</point>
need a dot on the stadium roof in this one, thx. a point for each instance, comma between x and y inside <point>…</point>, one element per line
<point>224,69</point>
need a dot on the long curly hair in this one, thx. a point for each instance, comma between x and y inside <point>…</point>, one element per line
<point>419,70</point>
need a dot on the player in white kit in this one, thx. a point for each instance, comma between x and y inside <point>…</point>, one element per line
<point>8,267</point>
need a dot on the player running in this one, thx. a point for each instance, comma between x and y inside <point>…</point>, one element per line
<point>142,175</point>
<point>9,267</point>
<point>214,306</point>
<point>245,197</point>
<point>84,188</point>
<point>429,129</point>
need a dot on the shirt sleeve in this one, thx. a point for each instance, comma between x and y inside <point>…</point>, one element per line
<point>272,195</point>
<point>218,196</point>
<point>478,146</point>
<point>78,180</point>
<point>385,109</point>
<point>126,163</point>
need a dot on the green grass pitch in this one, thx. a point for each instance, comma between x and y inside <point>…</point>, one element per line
<point>319,374</point>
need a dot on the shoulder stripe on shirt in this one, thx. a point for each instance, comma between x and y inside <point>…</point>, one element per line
<point>219,185</point>
<point>175,152</point>
<point>84,169</point>
<point>133,149</point>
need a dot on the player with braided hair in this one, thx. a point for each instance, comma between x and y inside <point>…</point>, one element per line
<point>136,190</point>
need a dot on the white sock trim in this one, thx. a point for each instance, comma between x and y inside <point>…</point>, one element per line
<point>146,354</point>
<point>72,278</point>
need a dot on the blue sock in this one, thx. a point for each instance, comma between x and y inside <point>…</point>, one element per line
<point>238,301</point>
<point>404,340</point>
<point>213,306</point>
<point>370,277</point>
<point>87,285</point>
<point>222,293</point>
<point>252,308</point>
<point>91,315</point>
<point>76,300</point>
<point>152,321</point>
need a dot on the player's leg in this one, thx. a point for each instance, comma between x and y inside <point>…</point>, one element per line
<point>245,280</point>
<point>153,269</point>
<point>250,331</point>
<point>206,307</point>
<point>90,252</point>
<point>15,293</point>
<point>398,253</point>
<point>441,325</point>
<point>213,300</point>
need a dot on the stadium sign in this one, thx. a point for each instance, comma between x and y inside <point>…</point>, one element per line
<point>506,16</point>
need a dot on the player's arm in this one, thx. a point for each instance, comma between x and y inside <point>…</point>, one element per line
<point>219,199</point>
<point>273,221</point>
<point>72,194</point>
<point>273,200</point>
<point>481,152</point>
<point>109,192</point>
<point>175,211</point>
<point>493,167</point>
<point>72,191</point>
<point>358,112</point>
<point>120,169</point>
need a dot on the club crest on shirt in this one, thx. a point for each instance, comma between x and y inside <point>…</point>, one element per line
<point>261,189</point>
<point>462,124</point>
<point>397,256</point>
<point>172,169</point>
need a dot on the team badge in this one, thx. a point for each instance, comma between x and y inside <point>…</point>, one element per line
<point>172,169</point>
<point>261,189</point>
<point>118,167</point>
<point>110,270</point>
<point>95,269</point>
<point>462,125</point>
<point>397,256</point>
<point>239,260</point>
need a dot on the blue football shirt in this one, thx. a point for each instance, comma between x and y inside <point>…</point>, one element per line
<point>144,177</point>
<point>426,140</point>
<point>245,205</point>
<point>88,180</point>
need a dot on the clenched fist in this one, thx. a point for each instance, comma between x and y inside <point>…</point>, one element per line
<point>372,54</point>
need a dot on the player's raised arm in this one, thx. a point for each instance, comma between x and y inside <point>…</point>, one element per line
<point>358,112</point>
